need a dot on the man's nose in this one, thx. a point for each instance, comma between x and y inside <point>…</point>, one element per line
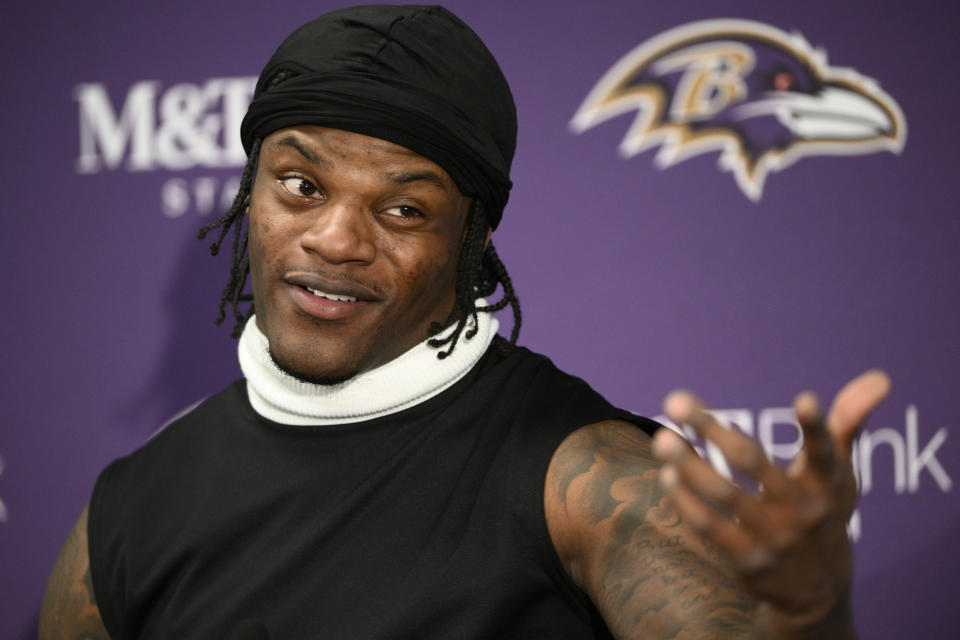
<point>340,233</point>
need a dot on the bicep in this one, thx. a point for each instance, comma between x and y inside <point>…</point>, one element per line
<point>648,573</point>
<point>69,610</point>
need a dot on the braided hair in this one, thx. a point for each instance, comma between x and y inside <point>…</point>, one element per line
<point>479,272</point>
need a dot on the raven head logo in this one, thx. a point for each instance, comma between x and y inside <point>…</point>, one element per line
<point>761,97</point>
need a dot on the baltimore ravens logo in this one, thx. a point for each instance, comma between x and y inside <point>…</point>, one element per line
<point>761,97</point>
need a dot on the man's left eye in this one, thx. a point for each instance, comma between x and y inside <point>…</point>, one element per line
<point>298,187</point>
<point>403,212</point>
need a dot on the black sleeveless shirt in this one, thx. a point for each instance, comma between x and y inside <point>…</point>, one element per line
<point>427,523</point>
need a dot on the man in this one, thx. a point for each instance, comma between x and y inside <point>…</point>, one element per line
<point>388,467</point>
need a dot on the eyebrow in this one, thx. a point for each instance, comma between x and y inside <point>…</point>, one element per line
<point>305,151</point>
<point>416,176</point>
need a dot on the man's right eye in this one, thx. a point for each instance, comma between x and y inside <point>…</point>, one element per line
<point>298,186</point>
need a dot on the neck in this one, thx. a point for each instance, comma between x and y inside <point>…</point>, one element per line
<point>409,379</point>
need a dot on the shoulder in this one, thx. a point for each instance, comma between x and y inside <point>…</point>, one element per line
<point>539,388</point>
<point>560,422</point>
<point>231,401</point>
<point>196,423</point>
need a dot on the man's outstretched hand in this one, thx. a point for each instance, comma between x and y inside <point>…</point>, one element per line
<point>787,542</point>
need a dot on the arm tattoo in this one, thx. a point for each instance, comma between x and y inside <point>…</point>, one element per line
<point>649,574</point>
<point>70,609</point>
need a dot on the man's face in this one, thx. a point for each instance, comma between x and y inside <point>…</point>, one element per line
<point>354,243</point>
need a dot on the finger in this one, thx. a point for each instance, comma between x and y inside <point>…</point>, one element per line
<point>668,446</point>
<point>852,406</point>
<point>762,518</point>
<point>730,539</point>
<point>740,451</point>
<point>677,453</point>
<point>696,473</point>
<point>818,451</point>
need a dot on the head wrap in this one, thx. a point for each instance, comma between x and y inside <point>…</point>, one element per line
<point>415,76</point>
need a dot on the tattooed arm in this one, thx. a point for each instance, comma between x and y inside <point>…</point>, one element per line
<point>69,610</point>
<point>620,540</point>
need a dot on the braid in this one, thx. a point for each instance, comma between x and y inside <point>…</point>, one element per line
<point>478,274</point>
<point>240,262</point>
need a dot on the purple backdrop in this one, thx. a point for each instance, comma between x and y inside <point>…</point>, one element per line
<point>638,279</point>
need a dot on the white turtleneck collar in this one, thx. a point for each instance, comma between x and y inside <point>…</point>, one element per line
<point>410,379</point>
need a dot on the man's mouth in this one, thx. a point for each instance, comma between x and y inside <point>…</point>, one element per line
<point>331,296</point>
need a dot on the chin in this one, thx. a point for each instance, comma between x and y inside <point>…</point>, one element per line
<point>310,377</point>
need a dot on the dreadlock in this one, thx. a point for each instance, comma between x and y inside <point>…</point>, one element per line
<point>479,272</point>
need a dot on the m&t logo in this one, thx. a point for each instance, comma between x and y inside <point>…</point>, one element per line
<point>187,125</point>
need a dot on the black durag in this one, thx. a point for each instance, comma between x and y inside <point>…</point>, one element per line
<point>416,76</point>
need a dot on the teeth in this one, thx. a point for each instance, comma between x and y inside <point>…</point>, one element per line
<point>331,296</point>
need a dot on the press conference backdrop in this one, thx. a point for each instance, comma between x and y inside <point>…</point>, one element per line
<point>745,198</point>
